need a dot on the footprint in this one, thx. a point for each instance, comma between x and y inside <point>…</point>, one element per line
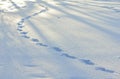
<point>88,62</point>
<point>41,44</point>
<point>35,14</point>
<point>104,70</point>
<point>68,56</point>
<point>35,40</point>
<point>42,11</point>
<point>20,26</point>
<point>19,29</point>
<point>23,32</point>
<point>22,21</point>
<point>27,17</point>
<point>19,23</point>
<point>26,36</point>
<point>57,49</point>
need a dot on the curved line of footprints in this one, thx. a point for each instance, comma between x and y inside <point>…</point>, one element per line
<point>20,26</point>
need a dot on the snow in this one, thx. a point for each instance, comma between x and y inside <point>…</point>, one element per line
<point>59,39</point>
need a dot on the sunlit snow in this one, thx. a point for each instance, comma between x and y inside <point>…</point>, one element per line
<point>59,39</point>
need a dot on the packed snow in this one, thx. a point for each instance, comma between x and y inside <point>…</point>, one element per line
<point>59,39</point>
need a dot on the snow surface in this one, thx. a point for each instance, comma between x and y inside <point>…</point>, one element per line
<point>59,39</point>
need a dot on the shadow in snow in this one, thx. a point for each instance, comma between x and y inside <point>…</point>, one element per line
<point>74,17</point>
<point>14,4</point>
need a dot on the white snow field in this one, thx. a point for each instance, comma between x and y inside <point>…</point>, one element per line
<point>59,39</point>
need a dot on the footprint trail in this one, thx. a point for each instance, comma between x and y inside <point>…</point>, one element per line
<point>63,53</point>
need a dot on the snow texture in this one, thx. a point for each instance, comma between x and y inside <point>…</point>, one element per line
<point>59,39</point>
